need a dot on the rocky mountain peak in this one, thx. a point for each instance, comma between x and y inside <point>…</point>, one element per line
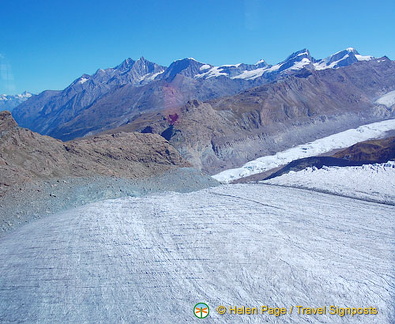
<point>352,50</point>
<point>188,67</point>
<point>9,102</point>
<point>342,58</point>
<point>125,65</point>
<point>297,60</point>
<point>142,67</point>
<point>26,156</point>
<point>299,55</point>
<point>343,55</point>
<point>102,100</point>
<point>7,122</point>
<point>261,63</point>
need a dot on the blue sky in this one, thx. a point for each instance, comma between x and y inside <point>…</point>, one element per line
<point>46,44</point>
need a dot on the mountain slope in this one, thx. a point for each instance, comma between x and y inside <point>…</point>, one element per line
<point>381,150</point>
<point>58,107</point>
<point>26,156</point>
<point>230,131</point>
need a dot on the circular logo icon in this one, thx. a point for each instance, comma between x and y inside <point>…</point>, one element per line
<point>201,310</point>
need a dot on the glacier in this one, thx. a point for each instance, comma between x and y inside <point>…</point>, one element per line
<point>151,259</point>
<point>387,100</point>
<point>320,146</point>
<point>375,182</point>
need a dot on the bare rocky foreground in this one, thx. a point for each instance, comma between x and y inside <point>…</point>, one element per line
<point>151,259</point>
<point>40,175</point>
<point>26,156</point>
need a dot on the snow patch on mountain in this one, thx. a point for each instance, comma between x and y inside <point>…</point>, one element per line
<point>251,75</point>
<point>373,181</point>
<point>300,65</point>
<point>317,147</point>
<point>82,80</point>
<point>387,100</point>
<point>205,67</point>
<point>364,57</point>
<point>214,72</point>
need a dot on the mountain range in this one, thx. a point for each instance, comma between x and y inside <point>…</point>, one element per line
<point>228,132</point>
<point>112,97</point>
<point>9,102</point>
<point>221,117</point>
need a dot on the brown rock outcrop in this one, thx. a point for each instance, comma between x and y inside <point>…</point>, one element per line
<point>25,155</point>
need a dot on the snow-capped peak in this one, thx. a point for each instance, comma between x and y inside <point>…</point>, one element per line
<point>351,49</point>
<point>299,55</point>
<point>24,95</point>
<point>342,58</point>
<point>296,61</point>
<point>9,102</point>
<point>188,67</point>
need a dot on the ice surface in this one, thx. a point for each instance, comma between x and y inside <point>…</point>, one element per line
<point>300,65</point>
<point>151,259</point>
<point>251,75</point>
<point>320,146</point>
<point>375,182</point>
<point>212,73</point>
<point>387,100</point>
<point>151,76</point>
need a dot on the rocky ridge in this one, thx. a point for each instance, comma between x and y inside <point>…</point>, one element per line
<point>27,156</point>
